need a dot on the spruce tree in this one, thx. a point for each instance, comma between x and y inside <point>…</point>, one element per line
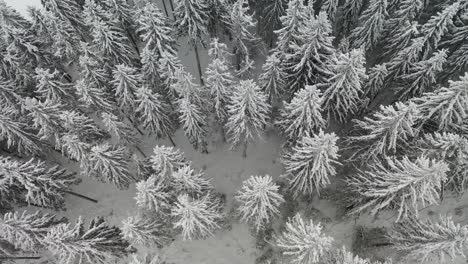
<point>9,96</point>
<point>73,147</point>
<point>144,231</point>
<point>186,180</point>
<point>26,231</point>
<point>91,95</point>
<point>271,19</point>
<point>153,194</point>
<point>52,86</point>
<point>426,240</point>
<point>81,125</point>
<point>153,113</point>
<point>302,115</point>
<point>167,160</point>
<point>155,30</point>
<point>108,163</point>
<point>376,80</point>
<point>247,114</point>
<point>17,134</point>
<point>10,17</point>
<point>446,107</point>
<point>371,25</point>
<point>401,38</point>
<point>122,12</point>
<point>194,122</point>
<point>150,67</point>
<point>385,132</point>
<point>121,131</point>
<point>405,59</point>
<point>345,87</point>
<point>45,117</point>
<point>66,10</point>
<point>192,22</point>
<point>343,256</point>
<point>351,11</point>
<point>291,21</point>
<point>311,162</point>
<point>259,201</point>
<point>95,244</point>
<point>272,80</point>
<point>402,184</point>
<point>422,75</point>
<point>36,182</point>
<point>196,217</point>
<point>331,8</point>
<point>303,242</point>
<point>126,80</point>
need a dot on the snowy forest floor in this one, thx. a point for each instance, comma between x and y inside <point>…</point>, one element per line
<point>237,243</point>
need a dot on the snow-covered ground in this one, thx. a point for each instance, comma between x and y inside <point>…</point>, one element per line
<point>22,5</point>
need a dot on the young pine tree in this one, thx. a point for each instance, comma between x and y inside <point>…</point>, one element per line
<point>196,217</point>
<point>108,163</point>
<point>71,146</point>
<point>144,231</point>
<point>153,194</point>
<point>387,131</point>
<point>345,87</point>
<point>446,107</point>
<point>167,160</point>
<point>37,183</point>
<point>302,115</point>
<point>371,25</point>
<point>259,201</point>
<point>272,80</point>
<point>399,183</point>
<point>311,162</point>
<point>247,114</point>
<point>303,242</point>
<point>26,231</point>
<point>426,240</point>
<point>194,122</point>
<point>96,244</point>
<point>153,113</point>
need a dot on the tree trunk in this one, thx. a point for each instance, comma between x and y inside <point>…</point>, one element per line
<point>244,152</point>
<point>172,6</point>
<point>135,126</point>
<point>20,257</point>
<point>198,64</point>
<point>82,196</point>
<point>130,36</point>
<point>141,151</point>
<point>172,141</point>
<point>165,8</point>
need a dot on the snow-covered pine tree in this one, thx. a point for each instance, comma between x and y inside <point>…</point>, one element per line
<point>270,19</point>
<point>126,80</point>
<point>71,146</point>
<point>38,183</point>
<point>351,11</point>
<point>91,95</point>
<point>121,131</point>
<point>155,30</point>
<point>217,16</point>
<point>10,17</point>
<point>51,86</point>
<point>437,26</point>
<point>311,162</point>
<point>402,184</point>
<point>108,163</point>
<point>96,244</point>
<point>153,194</point>
<point>385,131</point>
<point>376,80</point>
<point>343,256</point>
<point>94,11</point>
<point>303,242</point>
<point>144,231</point>
<point>124,13</point>
<point>405,15</point>
<point>371,25</point>
<point>150,67</point>
<point>16,134</point>
<point>81,125</point>
<point>45,117</point>
<point>259,201</point>
<point>154,113</point>
<point>187,180</point>
<point>405,59</point>
<point>291,21</point>
<point>272,80</point>
<point>331,8</point>
<point>400,38</point>
<point>192,21</point>
<point>167,160</point>
<point>345,87</point>
<point>196,217</point>
<point>425,240</point>
<point>309,57</point>
<point>220,81</point>
<point>422,75</point>
<point>302,115</point>
<point>9,96</point>
<point>25,231</point>
<point>66,10</point>
<point>111,43</point>
<point>193,120</point>
<point>168,66</point>
<point>241,23</point>
<point>248,111</point>
<point>446,107</point>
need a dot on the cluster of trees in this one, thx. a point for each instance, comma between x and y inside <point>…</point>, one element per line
<point>393,70</point>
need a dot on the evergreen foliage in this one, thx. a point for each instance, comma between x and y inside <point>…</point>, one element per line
<point>121,131</point>
<point>193,121</point>
<point>371,25</point>
<point>126,81</point>
<point>192,19</point>
<point>272,80</point>
<point>303,241</point>
<point>186,180</point>
<point>152,194</point>
<point>50,86</point>
<point>259,200</point>
<point>403,184</point>
<point>144,231</point>
<point>166,160</point>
